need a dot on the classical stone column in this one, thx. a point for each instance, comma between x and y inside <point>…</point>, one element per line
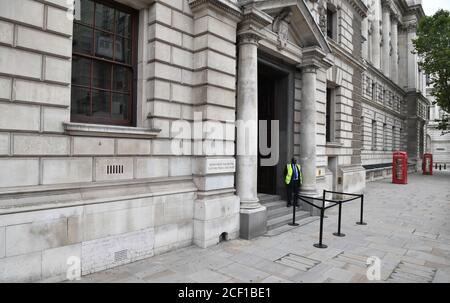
<point>376,37</point>
<point>413,68</point>
<point>308,117</point>
<point>253,219</point>
<point>394,42</point>
<point>247,116</point>
<point>386,48</point>
<point>313,59</point>
<point>365,34</point>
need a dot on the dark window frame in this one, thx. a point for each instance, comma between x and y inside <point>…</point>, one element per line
<point>374,135</point>
<point>332,24</point>
<point>330,116</point>
<point>113,63</point>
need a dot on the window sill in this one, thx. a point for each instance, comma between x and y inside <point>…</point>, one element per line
<point>334,144</point>
<point>86,129</point>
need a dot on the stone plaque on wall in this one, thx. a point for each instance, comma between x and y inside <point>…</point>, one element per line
<point>217,166</point>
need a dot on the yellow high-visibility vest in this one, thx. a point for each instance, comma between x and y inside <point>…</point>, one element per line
<point>290,171</point>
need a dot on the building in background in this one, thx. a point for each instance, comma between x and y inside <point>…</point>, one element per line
<point>438,141</point>
<point>118,126</point>
<point>394,88</point>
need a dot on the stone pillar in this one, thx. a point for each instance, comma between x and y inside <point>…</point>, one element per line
<point>376,38</point>
<point>253,221</point>
<point>394,42</point>
<point>413,67</point>
<point>312,61</point>
<point>365,35</point>
<point>386,48</point>
<point>217,207</point>
<point>247,114</point>
<point>308,131</point>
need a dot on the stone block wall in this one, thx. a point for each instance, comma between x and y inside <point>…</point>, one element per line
<point>110,199</point>
<point>95,230</point>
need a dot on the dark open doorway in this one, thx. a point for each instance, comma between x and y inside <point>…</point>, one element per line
<point>275,102</point>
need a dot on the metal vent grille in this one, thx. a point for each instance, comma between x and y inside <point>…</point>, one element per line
<point>121,255</point>
<point>357,260</point>
<point>114,169</point>
<point>297,262</point>
<point>412,273</point>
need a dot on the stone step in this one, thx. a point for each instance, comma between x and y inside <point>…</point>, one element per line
<point>279,211</point>
<point>286,219</point>
<point>266,198</point>
<point>274,205</point>
<point>285,228</point>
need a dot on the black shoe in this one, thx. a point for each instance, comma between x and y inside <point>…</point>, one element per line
<point>289,205</point>
<point>297,205</point>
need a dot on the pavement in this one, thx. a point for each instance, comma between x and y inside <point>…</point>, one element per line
<point>407,240</point>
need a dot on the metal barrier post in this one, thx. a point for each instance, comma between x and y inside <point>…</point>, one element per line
<point>339,234</point>
<point>361,222</point>
<point>293,212</point>
<point>322,212</point>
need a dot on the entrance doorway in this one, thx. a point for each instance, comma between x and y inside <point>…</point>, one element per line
<point>275,102</point>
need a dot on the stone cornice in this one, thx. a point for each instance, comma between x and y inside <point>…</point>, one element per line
<point>406,8</point>
<point>222,5</point>
<point>339,50</point>
<point>378,73</point>
<point>360,7</point>
<point>250,14</point>
<point>382,107</point>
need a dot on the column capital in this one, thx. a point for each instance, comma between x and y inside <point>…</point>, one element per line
<point>314,58</point>
<point>386,4</point>
<point>252,22</point>
<point>410,26</point>
<point>395,18</point>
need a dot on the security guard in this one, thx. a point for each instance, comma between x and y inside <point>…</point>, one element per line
<point>293,180</point>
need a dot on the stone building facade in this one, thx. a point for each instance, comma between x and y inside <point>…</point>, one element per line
<point>438,141</point>
<point>120,120</point>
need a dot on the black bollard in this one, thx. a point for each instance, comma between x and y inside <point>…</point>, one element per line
<point>293,215</point>
<point>320,244</point>
<point>322,214</point>
<point>361,221</point>
<point>339,234</point>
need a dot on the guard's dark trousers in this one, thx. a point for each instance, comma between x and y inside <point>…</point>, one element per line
<point>292,190</point>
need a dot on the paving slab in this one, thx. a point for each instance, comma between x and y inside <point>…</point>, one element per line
<point>408,231</point>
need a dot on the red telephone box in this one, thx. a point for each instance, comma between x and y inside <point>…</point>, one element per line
<point>400,168</point>
<point>427,164</point>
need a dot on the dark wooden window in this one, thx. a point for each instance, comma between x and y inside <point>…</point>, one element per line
<point>103,63</point>
<point>330,127</point>
<point>374,135</point>
<point>394,146</point>
<point>331,23</point>
<point>328,115</point>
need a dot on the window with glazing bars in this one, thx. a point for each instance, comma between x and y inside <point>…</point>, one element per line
<point>103,62</point>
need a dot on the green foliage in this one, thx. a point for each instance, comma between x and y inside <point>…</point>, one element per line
<point>433,46</point>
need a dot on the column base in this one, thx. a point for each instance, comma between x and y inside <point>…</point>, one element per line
<point>253,222</point>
